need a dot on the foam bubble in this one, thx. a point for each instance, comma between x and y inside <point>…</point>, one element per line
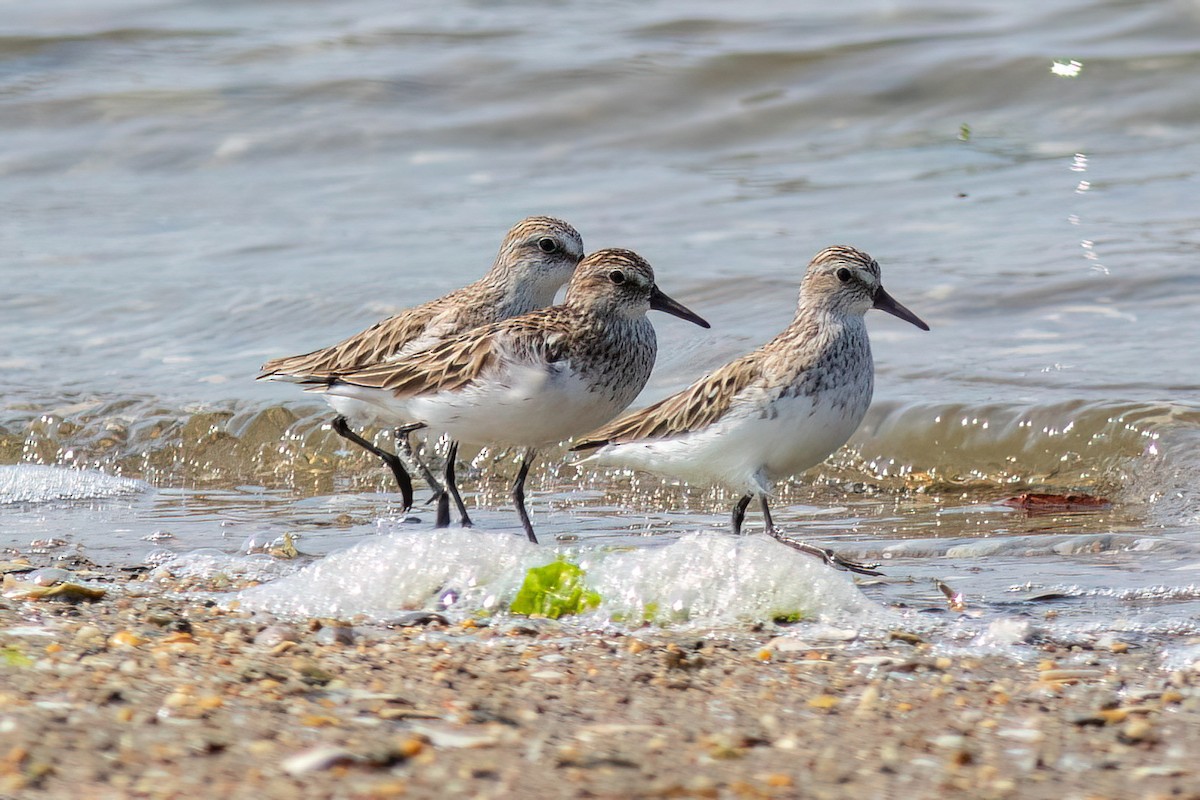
<point>703,578</point>
<point>35,483</point>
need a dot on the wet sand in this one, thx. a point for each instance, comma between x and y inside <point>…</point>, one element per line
<point>153,691</point>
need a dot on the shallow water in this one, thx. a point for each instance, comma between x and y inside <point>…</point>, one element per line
<point>189,189</point>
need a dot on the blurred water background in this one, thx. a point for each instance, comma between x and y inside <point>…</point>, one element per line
<point>190,188</point>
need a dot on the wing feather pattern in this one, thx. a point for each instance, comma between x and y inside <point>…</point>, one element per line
<point>461,360</point>
<point>701,404</point>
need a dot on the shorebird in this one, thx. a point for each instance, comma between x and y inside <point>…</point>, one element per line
<point>537,256</point>
<point>532,380</point>
<point>775,412</point>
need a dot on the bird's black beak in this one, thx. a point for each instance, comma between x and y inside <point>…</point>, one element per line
<point>885,302</point>
<point>660,302</point>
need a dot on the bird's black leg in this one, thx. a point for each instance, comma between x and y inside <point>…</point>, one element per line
<point>768,523</point>
<point>452,488</point>
<point>404,445</point>
<point>739,513</point>
<point>825,554</point>
<point>518,493</point>
<point>342,428</point>
<point>443,510</point>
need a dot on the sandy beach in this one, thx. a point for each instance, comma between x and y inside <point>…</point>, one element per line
<point>153,691</point>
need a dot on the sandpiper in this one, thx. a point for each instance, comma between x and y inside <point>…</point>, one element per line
<point>532,380</point>
<point>776,411</point>
<point>537,257</point>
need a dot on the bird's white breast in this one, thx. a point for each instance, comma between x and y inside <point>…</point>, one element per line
<point>529,406</point>
<point>765,436</point>
<point>526,405</point>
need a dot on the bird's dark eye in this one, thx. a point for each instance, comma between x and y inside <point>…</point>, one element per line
<point>547,245</point>
<point>843,275</point>
<point>617,277</point>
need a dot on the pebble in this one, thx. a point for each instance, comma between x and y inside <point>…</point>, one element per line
<point>868,700</point>
<point>460,736</point>
<point>275,635</point>
<point>876,661</point>
<point>1137,730</point>
<point>527,627</point>
<point>318,758</point>
<point>312,673</point>
<point>125,640</point>
<point>48,576</point>
<point>1025,735</point>
<point>811,636</point>
<point>411,619</point>
<point>787,644</point>
<point>1064,675</point>
<point>1158,772</point>
<point>334,635</point>
<point>88,633</point>
<point>778,780</point>
<point>949,741</point>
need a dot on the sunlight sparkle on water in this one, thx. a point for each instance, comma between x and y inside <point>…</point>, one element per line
<point>1066,69</point>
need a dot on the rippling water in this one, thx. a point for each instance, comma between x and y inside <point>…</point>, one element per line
<point>187,189</point>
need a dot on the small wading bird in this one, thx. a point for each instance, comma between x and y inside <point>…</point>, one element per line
<point>537,257</point>
<point>776,411</point>
<point>532,380</point>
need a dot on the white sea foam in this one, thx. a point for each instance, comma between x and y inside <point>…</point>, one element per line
<point>718,578</point>
<point>34,483</point>
<point>700,578</point>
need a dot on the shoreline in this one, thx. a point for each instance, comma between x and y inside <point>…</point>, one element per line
<point>150,692</point>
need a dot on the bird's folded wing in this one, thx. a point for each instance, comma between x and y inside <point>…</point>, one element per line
<point>701,404</point>
<point>459,361</point>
